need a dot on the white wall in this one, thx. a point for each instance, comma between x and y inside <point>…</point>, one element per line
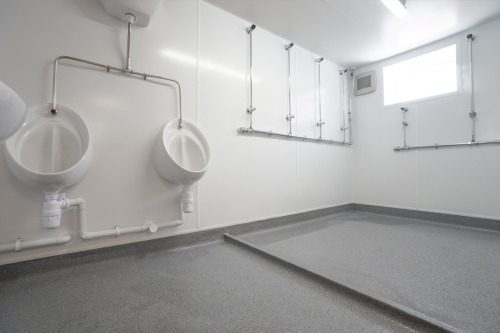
<point>204,48</point>
<point>461,181</point>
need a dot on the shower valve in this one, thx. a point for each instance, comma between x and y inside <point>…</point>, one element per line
<point>290,117</point>
<point>473,114</point>
<point>405,123</point>
<point>251,109</point>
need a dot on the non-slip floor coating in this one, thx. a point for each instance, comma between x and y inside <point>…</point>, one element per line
<point>213,288</point>
<point>447,272</point>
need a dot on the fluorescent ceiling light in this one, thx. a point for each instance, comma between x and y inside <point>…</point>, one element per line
<point>397,7</point>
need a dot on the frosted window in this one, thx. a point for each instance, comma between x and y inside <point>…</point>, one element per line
<point>431,74</point>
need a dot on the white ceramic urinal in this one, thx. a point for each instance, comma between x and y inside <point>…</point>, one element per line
<point>50,152</point>
<point>181,156</point>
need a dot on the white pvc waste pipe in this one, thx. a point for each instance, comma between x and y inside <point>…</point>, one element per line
<point>116,231</point>
<point>18,245</point>
<point>30,244</point>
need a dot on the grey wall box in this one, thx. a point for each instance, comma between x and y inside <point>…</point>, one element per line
<point>365,83</point>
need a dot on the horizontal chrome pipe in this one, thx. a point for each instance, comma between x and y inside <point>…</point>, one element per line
<point>436,146</point>
<point>251,131</point>
<point>109,68</point>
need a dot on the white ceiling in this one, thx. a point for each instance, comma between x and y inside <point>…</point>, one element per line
<point>358,32</point>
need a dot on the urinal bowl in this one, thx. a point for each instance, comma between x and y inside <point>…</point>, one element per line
<point>181,155</point>
<point>50,152</point>
<point>12,112</point>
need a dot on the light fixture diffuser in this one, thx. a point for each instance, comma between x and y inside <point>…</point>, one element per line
<point>397,7</point>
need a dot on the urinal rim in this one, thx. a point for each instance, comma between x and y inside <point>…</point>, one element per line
<point>15,157</point>
<point>172,125</point>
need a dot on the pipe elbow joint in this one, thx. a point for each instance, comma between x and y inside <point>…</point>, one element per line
<point>63,239</point>
<point>81,203</point>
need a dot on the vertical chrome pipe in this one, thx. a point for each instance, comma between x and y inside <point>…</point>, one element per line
<point>251,108</point>
<point>127,68</point>
<point>405,124</point>
<point>349,114</point>
<point>342,101</point>
<point>250,68</point>
<point>472,113</point>
<point>321,122</point>
<point>54,86</point>
<point>289,117</point>
<point>130,20</point>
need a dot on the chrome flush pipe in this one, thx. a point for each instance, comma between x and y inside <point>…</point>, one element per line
<point>289,117</point>
<point>108,69</point>
<point>320,123</point>
<point>472,113</point>
<point>251,108</point>
<point>131,20</point>
<point>127,70</point>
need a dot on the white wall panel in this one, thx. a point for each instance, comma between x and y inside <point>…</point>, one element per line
<point>306,93</point>
<point>460,181</point>
<point>326,180</point>
<point>270,89</point>
<point>382,177</point>
<point>331,113</point>
<point>206,50</point>
<point>124,115</point>
<point>451,180</point>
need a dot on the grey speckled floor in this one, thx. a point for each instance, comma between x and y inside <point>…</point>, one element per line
<point>447,272</point>
<point>212,288</point>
